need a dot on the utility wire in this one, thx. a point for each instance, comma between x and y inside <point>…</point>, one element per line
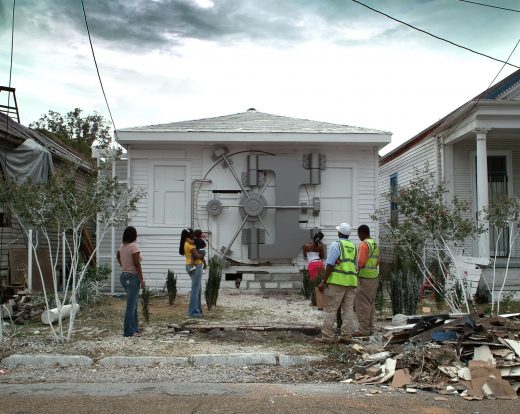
<point>479,98</point>
<point>490,5</point>
<point>435,36</point>
<point>12,48</point>
<point>97,68</point>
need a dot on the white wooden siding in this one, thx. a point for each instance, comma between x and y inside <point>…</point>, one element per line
<point>404,166</point>
<point>159,244</point>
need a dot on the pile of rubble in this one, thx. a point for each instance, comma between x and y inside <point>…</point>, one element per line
<point>20,308</point>
<point>465,355</point>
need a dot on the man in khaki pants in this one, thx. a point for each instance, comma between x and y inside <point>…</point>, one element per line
<point>368,282</point>
<point>340,281</point>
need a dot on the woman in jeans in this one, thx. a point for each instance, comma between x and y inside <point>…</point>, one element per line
<point>189,250</point>
<point>129,258</point>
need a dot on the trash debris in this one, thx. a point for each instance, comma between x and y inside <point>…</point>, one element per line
<point>401,378</point>
<point>471,356</point>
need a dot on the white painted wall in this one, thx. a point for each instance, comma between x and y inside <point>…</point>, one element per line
<point>348,193</point>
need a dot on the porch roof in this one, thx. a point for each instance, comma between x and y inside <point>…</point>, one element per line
<point>490,97</point>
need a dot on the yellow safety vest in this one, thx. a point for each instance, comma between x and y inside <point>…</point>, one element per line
<point>344,274</point>
<point>370,270</point>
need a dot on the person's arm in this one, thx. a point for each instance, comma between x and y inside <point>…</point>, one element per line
<point>305,249</point>
<point>118,255</point>
<point>331,264</point>
<point>328,272</point>
<point>362,255</point>
<point>136,257</point>
<point>196,254</point>
<point>322,252</point>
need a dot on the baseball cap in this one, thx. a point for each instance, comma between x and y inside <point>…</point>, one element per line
<point>344,228</point>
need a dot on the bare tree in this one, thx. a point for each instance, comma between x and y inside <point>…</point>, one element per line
<point>60,206</point>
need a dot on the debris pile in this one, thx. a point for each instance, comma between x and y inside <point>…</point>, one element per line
<point>20,308</point>
<point>466,355</point>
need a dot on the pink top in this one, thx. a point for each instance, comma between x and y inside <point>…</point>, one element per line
<point>125,253</point>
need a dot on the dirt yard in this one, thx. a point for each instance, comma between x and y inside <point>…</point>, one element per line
<point>98,329</point>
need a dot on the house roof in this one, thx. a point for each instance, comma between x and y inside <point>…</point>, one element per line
<point>250,122</point>
<point>13,134</point>
<point>255,121</point>
<point>495,92</point>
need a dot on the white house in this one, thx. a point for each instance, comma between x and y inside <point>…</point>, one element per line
<point>256,183</point>
<point>477,149</point>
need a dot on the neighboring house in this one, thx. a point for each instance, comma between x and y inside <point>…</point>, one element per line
<point>477,149</point>
<point>256,183</point>
<point>25,152</point>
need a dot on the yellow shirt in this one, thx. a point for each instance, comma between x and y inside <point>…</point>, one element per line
<point>188,247</point>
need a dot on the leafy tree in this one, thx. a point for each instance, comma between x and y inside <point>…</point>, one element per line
<point>79,131</point>
<point>432,229</point>
<point>60,206</point>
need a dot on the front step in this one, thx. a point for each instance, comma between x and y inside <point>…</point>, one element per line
<point>264,282</point>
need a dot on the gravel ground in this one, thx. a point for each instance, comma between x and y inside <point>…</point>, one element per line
<point>245,309</point>
<point>321,372</point>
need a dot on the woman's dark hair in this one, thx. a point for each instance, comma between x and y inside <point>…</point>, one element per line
<point>184,235</point>
<point>317,237</point>
<point>129,235</point>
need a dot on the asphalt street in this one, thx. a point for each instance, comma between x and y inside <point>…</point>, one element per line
<point>171,398</point>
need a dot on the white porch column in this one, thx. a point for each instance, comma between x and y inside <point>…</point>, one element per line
<point>447,169</point>
<point>482,191</point>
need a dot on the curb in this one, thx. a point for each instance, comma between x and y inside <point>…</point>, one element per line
<point>234,359</point>
<point>60,360</point>
<point>125,361</point>
<point>237,359</point>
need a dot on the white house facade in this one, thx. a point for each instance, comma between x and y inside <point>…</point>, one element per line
<point>257,184</point>
<point>477,149</point>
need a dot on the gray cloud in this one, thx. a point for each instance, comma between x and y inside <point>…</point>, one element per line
<point>159,24</point>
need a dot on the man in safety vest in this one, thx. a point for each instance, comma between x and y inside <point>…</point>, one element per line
<point>368,282</point>
<point>340,281</point>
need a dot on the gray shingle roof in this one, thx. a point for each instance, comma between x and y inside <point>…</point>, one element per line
<point>255,121</point>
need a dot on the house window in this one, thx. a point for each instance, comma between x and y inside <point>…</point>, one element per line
<point>394,214</point>
<point>4,216</point>
<point>497,189</point>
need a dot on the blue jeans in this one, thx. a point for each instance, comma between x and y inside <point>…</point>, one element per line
<point>130,282</point>
<point>195,306</point>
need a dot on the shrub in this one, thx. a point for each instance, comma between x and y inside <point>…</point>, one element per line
<point>404,292</point>
<point>91,288</point>
<point>171,285</point>
<point>213,284</point>
<point>145,301</point>
<point>306,284</point>
<point>313,284</point>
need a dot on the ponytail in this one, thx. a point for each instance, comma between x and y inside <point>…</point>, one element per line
<point>317,238</point>
<point>184,235</point>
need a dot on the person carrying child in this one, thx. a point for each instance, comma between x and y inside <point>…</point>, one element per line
<point>200,245</point>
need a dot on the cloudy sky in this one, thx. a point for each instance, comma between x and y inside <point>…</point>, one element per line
<point>328,60</point>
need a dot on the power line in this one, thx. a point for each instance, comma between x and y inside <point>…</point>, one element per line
<point>435,36</point>
<point>479,98</point>
<point>490,5</point>
<point>12,47</point>
<point>97,69</point>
